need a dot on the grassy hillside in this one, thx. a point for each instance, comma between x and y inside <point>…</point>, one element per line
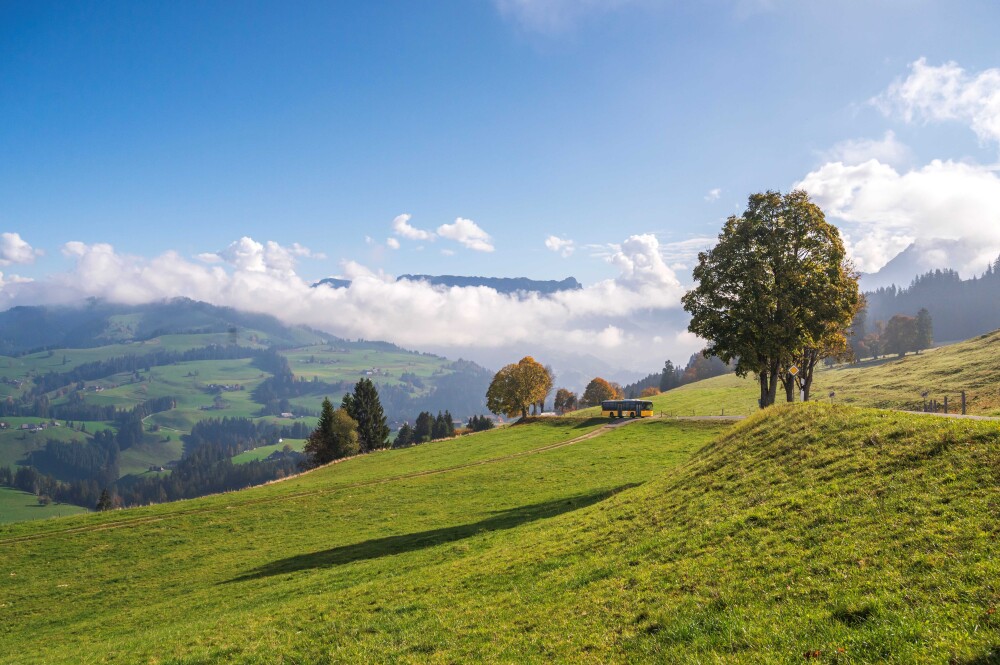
<point>851,535</point>
<point>212,380</point>
<point>897,383</point>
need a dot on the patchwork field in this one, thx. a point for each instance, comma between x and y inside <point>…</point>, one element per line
<point>849,535</point>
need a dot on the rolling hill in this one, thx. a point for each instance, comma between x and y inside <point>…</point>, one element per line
<point>890,382</point>
<point>150,374</point>
<point>818,532</point>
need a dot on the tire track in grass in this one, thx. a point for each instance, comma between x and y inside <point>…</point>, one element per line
<point>139,521</point>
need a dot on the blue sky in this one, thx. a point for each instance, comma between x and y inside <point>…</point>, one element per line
<point>152,130</point>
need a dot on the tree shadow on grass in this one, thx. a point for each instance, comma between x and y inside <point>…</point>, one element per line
<point>379,547</point>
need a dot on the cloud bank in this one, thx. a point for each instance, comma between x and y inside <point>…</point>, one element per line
<point>883,205</point>
<point>886,210</point>
<point>610,319</point>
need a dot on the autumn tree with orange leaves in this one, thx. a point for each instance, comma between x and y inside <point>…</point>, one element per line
<point>517,386</point>
<point>599,390</point>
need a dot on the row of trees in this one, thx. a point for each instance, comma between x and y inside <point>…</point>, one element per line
<point>961,308</point>
<point>425,428</point>
<point>699,367</point>
<point>901,335</point>
<point>480,424</point>
<point>523,385</point>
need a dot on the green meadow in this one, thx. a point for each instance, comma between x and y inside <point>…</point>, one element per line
<point>890,382</point>
<point>805,532</point>
<point>18,506</point>
<point>262,452</point>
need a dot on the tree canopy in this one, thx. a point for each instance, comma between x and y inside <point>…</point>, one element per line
<point>775,291</point>
<point>517,386</point>
<point>565,400</point>
<point>599,390</point>
<point>901,335</point>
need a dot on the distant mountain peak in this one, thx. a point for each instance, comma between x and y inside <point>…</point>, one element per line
<point>508,285</point>
<point>967,256</point>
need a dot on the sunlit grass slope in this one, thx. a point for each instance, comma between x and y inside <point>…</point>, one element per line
<point>853,535</point>
<point>208,579</point>
<point>892,382</point>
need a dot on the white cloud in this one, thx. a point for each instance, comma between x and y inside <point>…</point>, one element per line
<point>713,194</point>
<point>562,247</point>
<point>15,250</point>
<point>888,150</point>
<point>447,252</point>
<point>884,210</point>
<point>683,254</point>
<point>13,279</point>
<point>467,233</point>
<point>641,264</point>
<point>249,255</point>
<point>615,316</point>
<point>946,92</point>
<point>401,227</point>
<point>392,243</point>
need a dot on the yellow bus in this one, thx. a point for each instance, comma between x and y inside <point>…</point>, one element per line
<point>627,408</point>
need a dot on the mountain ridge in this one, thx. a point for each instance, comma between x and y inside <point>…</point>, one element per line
<point>507,285</point>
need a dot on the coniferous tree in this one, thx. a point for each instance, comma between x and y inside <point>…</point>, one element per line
<point>480,423</point>
<point>439,430</point>
<point>668,378</point>
<point>335,436</point>
<point>423,430</point>
<point>925,330</point>
<point>449,421</point>
<point>404,437</point>
<point>364,407</point>
<point>105,502</point>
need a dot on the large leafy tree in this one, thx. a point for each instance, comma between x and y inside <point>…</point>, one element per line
<point>364,406</point>
<point>335,436</point>
<point>517,386</point>
<point>565,401</point>
<point>599,390</point>
<point>776,288</point>
<point>901,335</point>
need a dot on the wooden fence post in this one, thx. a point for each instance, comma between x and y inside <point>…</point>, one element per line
<point>946,404</point>
<point>963,402</point>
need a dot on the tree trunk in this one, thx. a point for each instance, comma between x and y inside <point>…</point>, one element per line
<point>768,385</point>
<point>788,381</point>
<point>807,374</point>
